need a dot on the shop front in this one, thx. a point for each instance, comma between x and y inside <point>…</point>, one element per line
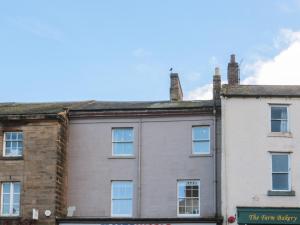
<point>136,221</point>
<point>259,215</point>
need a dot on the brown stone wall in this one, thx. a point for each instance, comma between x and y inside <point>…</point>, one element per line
<point>41,169</point>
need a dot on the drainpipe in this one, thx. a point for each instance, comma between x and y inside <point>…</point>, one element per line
<point>139,171</point>
<point>216,97</point>
<point>216,160</point>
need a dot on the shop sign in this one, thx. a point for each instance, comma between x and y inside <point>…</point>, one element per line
<point>137,224</point>
<point>255,215</point>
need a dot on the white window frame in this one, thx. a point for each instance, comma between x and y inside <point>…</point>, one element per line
<point>111,199</point>
<point>287,115</point>
<point>289,172</point>
<point>113,141</point>
<point>11,199</point>
<point>188,215</point>
<point>4,144</point>
<point>195,141</point>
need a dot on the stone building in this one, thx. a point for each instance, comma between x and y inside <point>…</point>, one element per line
<point>260,152</point>
<point>32,162</point>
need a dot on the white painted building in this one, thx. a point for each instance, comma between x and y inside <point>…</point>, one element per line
<point>260,152</point>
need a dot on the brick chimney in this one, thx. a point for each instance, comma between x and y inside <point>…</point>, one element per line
<point>216,84</point>
<point>175,88</point>
<point>233,72</point>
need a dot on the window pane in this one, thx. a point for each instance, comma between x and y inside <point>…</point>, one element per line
<point>280,181</point>
<point>14,136</point>
<point>182,202</point>
<point>16,209</point>
<point>188,192</point>
<point>122,190</point>
<point>279,126</point>
<point>116,134</point>
<point>202,147</point>
<point>6,188</point>
<point>278,112</point>
<point>5,209</point>
<point>189,202</point>
<point>122,148</point>
<point>20,136</point>
<point>188,210</point>
<point>195,193</point>
<point>195,203</point>
<point>16,199</point>
<point>128,134</point>
<point>195,210</point>
<point>20,144</point>
<point>181,191</point>
<point>8,144</point>
<point>200,133</point>
<point>181,210</point>
<point>19,151</point>
<point>122,134</point>
<point>122,207</point>
<point>14,144</point>
<point>280,163</point>
<point>7,135</point>
<point>128,148</point>
<point>6,198</point>
<point>17,187</point>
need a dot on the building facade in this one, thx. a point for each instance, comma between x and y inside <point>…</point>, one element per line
<point>111,162</point>
<point>145,162</point>
<point>32,163</point>
<point>260,153</point>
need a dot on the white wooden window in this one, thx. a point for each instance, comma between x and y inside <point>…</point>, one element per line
<point>13,144</point>
<point>121,198</point>
<point>10,199</point>
<point>281,180</point>
<point>279,118</point>
<point>188,198</point>
<point>201,139</point>
<point>122,141</point>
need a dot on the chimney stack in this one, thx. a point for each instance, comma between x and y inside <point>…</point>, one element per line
<point>175,88</point>
<point>233,72</point>
<point>217,84</point>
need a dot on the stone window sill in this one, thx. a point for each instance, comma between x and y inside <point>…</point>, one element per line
<point>280,134</point>
<point>121,157</point>
<point>10,217</point>
<point>281,193</point>
<point>200,155</point>
<point>11,158</point>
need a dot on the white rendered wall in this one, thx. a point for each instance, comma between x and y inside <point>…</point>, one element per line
<point>246,157</point>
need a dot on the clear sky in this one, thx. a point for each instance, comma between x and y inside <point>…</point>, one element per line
<point>67,50</point>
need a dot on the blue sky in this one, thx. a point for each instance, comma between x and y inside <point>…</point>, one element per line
<point>122,50</point>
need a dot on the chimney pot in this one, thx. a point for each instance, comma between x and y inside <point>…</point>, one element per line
<point>175,88</point>
<point>217,71</point>
<point>232,58</point>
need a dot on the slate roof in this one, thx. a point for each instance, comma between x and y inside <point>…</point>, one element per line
<point>261,90</point>
<point>56,107</point>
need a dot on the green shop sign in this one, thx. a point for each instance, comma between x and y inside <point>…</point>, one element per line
<point>255,215</point>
